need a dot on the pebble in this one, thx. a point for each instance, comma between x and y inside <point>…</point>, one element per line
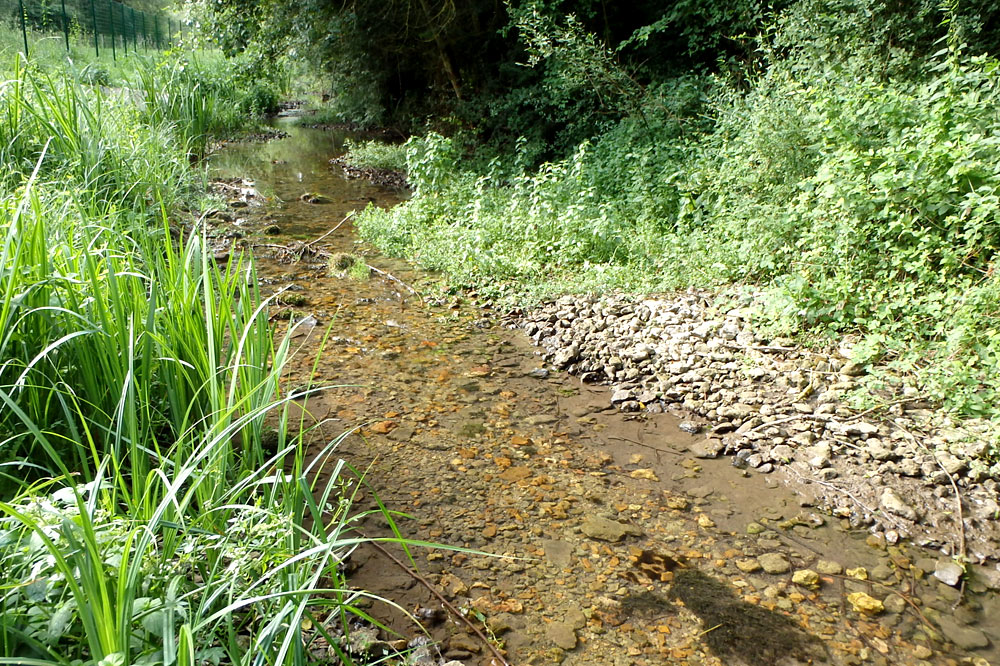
<point>748,564</point>
<point>707,448</point>
<point>949,572</point>
<point>774,563</point>
<point>865,603</point>
<point>562,634</point>
<point>558,552</point>
<point>964,637</point>
<point>604,529</point>
<point>829,567</point>
<point>806,578</point>
<point>464,642</point>
<point>892,502</point>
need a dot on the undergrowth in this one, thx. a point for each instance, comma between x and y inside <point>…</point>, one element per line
<point>860,200</point>
<point>375,155</point>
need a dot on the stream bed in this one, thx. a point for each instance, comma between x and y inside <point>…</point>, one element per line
<point>616,545</point>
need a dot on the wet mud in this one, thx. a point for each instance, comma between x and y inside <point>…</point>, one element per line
<point>578,534</point>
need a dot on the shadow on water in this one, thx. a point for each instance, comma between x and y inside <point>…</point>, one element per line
<point>739,632</point>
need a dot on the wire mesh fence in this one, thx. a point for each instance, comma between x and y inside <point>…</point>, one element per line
<point>105,25</point>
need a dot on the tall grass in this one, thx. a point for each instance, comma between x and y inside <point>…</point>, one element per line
<point>145,517</point>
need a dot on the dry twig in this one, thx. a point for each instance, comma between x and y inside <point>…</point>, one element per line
<point>447,604</point>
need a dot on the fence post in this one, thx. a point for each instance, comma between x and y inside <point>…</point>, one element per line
<point>145,39</point>
<point>156,31</point>
<point>123,25</point>
<point>24,31</point>
<point>93,18</point>
<point>135,33</point>
<point>111,18</point>
<point>65,24</point>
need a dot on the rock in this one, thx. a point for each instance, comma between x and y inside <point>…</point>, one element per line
<point>949,572</point>
<point>621,395</point>
<point>562,634</point>
<point>829,567</point>
<point>882,572</point>
<point>558,552</point>
<point>689,427</point>
<point>679,503</point>
<point>806,578</point>
<point>645,474</point>
<point>707,448</point>
<point>949,463</point>
<point>895,604</point>
<point>453,585</point>
<point>774,563</point>
<point>964,637</point>
<point>576,619</point>
<point>565,356</point>
<point>865,603</point>
<point>782,453</point>
<point>703,330</point>
<point>748,564</point>
<point>856,429</point>
<point>736,411</point>
<point>402,434</point>
<point>383,427</point>
<point>893,503</point>
<point>464,642</point>
<point>818,456</point>
<point>606,530</point>
<point>755,528</point>
<point>852,369</point>
<point>878,450</point>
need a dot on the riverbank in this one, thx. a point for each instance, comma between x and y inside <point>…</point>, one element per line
<point>605,521</point>
<point>901,468</point>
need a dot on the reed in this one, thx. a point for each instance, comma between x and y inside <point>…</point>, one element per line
<point>144,519</point>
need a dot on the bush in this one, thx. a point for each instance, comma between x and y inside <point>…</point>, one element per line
<point>864,198</point>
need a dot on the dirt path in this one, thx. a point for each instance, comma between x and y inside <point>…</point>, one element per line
<point>616,545</point>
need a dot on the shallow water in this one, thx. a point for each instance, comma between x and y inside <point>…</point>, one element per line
<point>621,547</point>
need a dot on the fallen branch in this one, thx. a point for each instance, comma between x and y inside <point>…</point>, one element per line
<point>883,406</point>
<point>390,276</point>
<point>447,604</point>
<point>788,419</point>
<point>339,224</point>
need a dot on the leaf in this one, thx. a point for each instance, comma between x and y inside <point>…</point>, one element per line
<point>61,621</point>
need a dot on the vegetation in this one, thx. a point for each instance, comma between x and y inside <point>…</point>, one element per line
<point>833,162</point>
<point>156,505</point>
<point>834,157</point>
<point>376,155</point>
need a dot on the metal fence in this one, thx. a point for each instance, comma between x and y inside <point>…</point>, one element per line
<point>106,25</point>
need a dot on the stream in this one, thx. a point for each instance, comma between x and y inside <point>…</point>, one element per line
<point>616,545</point>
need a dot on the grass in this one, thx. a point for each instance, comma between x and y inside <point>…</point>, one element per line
<point>375,155</point>
<point>146,518</point>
